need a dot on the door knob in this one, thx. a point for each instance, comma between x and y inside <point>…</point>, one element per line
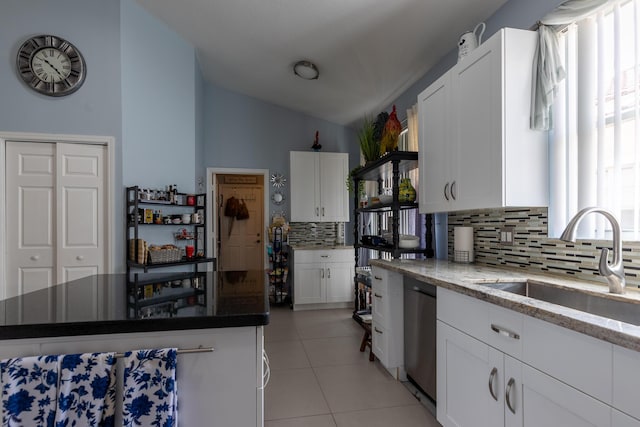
<point>35,257</point>
<point>79,257</point>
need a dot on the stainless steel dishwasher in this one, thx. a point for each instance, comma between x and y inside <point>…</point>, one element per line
<point>420,334</point>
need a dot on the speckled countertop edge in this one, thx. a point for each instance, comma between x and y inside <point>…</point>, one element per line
<point>467,279</point>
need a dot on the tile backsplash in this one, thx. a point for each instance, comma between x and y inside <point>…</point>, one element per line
<point>312,233</point>
<point>532,249</point>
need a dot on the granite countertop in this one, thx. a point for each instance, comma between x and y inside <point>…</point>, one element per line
<point>319,247</point>
<point>102,304</point>
<point>468,278</point>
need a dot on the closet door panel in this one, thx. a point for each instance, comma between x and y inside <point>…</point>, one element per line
<point>30,217</point>
<point>81,204</point>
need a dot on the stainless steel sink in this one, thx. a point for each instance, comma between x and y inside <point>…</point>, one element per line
<point>625,311</point>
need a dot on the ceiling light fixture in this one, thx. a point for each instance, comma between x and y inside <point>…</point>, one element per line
<point>306,70</point>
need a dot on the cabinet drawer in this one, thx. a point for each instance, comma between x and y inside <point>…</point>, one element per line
<point>505,330</point>
<point>467,314</point>
<point>323,255</point>
<point>380,342</point>
<point>567,355</point>
<point>380,307</point>
<point>385,281</point>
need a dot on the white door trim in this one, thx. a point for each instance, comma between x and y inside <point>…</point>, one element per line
<point>107,141</point>
<point>212,247</point>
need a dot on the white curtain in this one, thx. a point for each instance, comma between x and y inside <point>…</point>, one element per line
<point>548,70</point>
<point>412,128</point>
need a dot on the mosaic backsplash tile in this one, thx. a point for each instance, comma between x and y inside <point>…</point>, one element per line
<point>532,249</point>
<point>312,233</point>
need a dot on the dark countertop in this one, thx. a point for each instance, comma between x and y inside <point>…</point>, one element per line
<point>101,305</point>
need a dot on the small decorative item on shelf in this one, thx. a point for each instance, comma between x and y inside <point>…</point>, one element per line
<point>390,133</point>
<point>406,191</point>
<point>316,145</point>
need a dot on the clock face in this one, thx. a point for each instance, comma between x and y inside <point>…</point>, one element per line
<point>51,65</point>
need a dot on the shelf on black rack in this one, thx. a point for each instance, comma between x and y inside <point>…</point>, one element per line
<point>184,261</point>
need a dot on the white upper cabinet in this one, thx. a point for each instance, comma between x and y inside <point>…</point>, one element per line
<point>476,148</point>
<point>318,186</point>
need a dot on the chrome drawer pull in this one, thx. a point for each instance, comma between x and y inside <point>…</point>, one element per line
<point>508,396</point>
<point>377,278</point>
<point>377,330</point>
<point>505,332</point>
<point>377,295</point>
<point>492,376</point>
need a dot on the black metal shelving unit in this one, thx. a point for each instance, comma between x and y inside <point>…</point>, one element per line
<point>392,165</point>
<point>161,293</point>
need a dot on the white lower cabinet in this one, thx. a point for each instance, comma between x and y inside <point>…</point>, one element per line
<point>322,277</point>
<point>527,373</point>
<point>387,329</point>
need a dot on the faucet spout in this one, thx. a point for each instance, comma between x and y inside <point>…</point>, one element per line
<point>614,271</point>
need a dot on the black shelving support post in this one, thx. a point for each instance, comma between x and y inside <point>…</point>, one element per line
<point>395,221</point>
<point>356,224</point>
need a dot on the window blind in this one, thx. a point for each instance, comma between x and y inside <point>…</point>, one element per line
<point>595,151</point>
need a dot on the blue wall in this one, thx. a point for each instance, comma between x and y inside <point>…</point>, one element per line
<point>169,125</point>
<point>243,132</point>
<point>158,102</point>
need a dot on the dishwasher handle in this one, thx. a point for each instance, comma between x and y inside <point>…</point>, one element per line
<point>423,292</point>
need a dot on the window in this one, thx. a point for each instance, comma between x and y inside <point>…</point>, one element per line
<point>595,143</point>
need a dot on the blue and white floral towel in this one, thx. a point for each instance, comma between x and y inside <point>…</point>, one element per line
<point>87,391</point>
<point>29,388</point>
<point>150,389</point>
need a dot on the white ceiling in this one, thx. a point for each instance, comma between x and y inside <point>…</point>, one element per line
<point>368,51</point>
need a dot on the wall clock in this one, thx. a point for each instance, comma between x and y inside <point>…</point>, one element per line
<point>51,65</point>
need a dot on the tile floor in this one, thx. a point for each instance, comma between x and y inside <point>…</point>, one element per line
<point>319,378</point>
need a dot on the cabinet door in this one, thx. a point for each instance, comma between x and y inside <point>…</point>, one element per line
<point>308,281</point>
<point>334,197</point>
<point>305,186</point>
<point>466,367</point>
<point>549,402</point>
<point>434,135</point>
<point>476,89</point>
<point>339,281</point>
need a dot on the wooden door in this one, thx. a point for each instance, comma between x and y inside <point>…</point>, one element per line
<point>241,241</point>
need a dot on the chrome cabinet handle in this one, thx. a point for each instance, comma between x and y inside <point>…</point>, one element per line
<point>377,278</point>
<point>504,332</point>
<point>322,271</point>
<point>446,188</point>
<point>35,257</point>
<point>328,273</point>
<point>452,191</point>
<point>377,330</point>
<point>377,295</point>
<point>323,211</point>
<point>508,396</point>
<point>317,211</point>
<point>492,376</point>
<point>80,257</point>
<point>324,256</point>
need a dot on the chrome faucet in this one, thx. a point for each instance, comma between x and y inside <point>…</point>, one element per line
<point>614,272</point>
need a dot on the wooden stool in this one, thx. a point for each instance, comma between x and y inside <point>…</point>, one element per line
<point>366,339</point>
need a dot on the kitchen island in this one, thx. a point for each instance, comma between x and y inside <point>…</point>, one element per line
<point>94,314</point>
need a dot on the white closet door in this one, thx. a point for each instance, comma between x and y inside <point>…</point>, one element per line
<point>56,212</point>
<point>80,246</point>
<point>30,216</point>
